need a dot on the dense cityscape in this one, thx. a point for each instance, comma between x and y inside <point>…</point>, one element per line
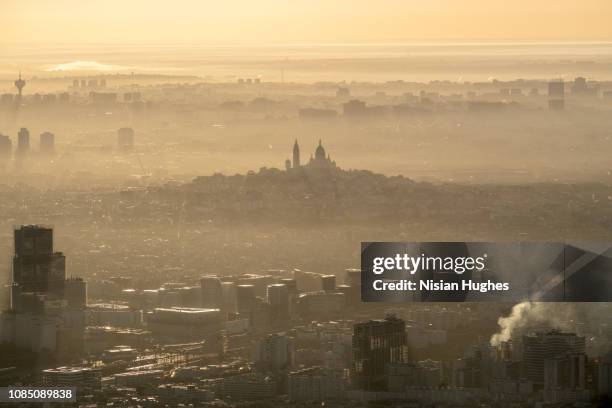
<point>286,337</point>
<point>145,263</point>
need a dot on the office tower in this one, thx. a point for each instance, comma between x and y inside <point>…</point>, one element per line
<point>278,298</point>
<point>125,138</point>
<point>556,95</point>
<point>352,277</point>
<point>377,343</point>
<point>47,142</point>
<point>211,292</point>
<point>245,298</point>
<point>566,371</point>
<point>36,268</point>
<point>6,146</point>
<point>604,375</point>
<point>274,352</point>
<point>291,285</point>
<point>228,297</point>
<point>547,346</point>
<point>75,293</point>
<point>23,140</point>
<point>580,86</point>
<point>328,282</point>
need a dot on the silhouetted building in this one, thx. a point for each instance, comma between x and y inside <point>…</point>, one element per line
<point>296,154</point>
<point>354,108</point>
<point>23,140</point>
<point>580,86</point>
<point>6,146</point>
<point>376,344</point>
<point>274,352</point>
<point>20,84</point>
<point>47,142</point>
<point>211,291</point>
<point>36,267</point>
<point>547,346</point>
<point>278,298</point>
<point>556,95</point>
<point>321,160</point>
<point>563,375</point>
<point>328,282</point>
<point>245,298</point>
<point>75,293</point>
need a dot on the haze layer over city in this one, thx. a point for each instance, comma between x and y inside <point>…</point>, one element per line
<point>200,178</point>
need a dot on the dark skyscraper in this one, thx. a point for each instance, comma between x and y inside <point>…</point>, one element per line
<point>23,140</point>
<point>36,268</point>
<point>375,344</point>
<point>546,346</point>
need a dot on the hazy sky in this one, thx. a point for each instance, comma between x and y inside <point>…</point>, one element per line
<point>301,21</point>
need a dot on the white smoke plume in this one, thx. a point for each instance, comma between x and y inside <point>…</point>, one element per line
<point>534,315</point>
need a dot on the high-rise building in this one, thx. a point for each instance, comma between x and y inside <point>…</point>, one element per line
<point>245,298</point>
<point>291,285</point>
<point>377,343</point>
<point>6,146</point>
<point>211,292</point>
<point>278,298</point>
<point>75,293</point>
<point>23,140</point>
<point>47,142</point>
<point>556,95</point>
<point>228,299</point>
<point>47,312</point>
<point>547,346</point>
<point>36,267</point>
<point>274,351</point>
<point>566,371</point>
<point>352,277</point>
<point>328,282</point>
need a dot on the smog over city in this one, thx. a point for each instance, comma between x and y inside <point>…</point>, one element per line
<point>236,205</point>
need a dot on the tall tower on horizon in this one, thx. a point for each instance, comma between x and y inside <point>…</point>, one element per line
<point>296,155</point>
<point>20,84</point>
